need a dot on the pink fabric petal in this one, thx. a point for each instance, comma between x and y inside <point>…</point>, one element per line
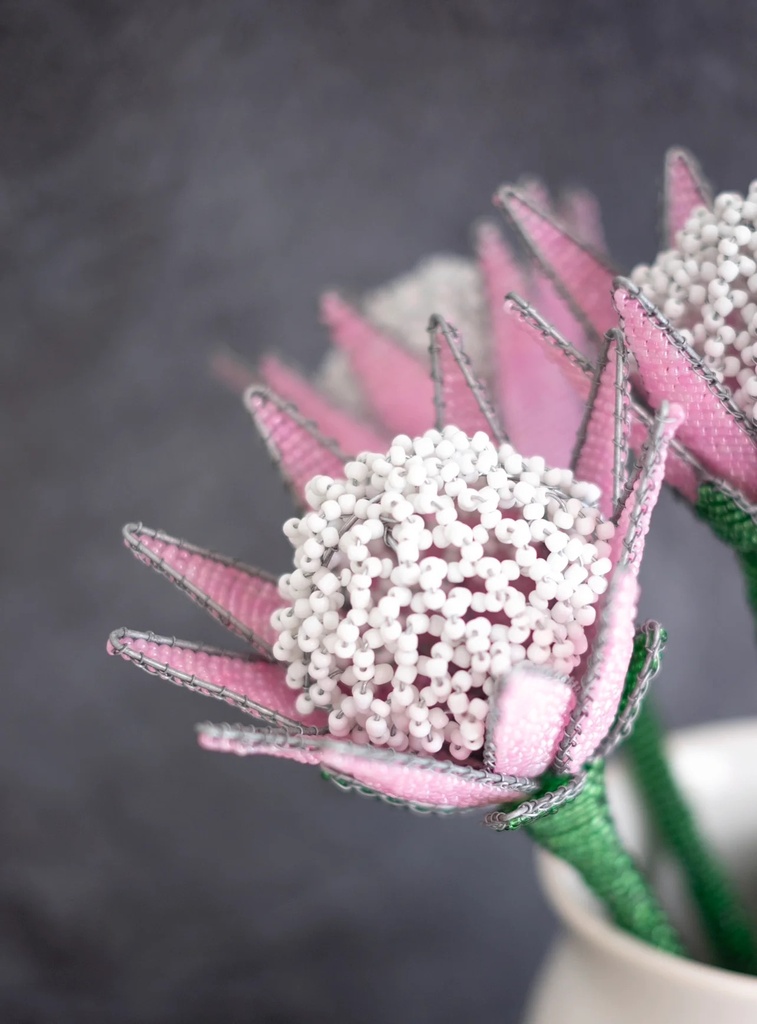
<point>351,435</point>
<point>422,782</point>
<point>460,399</point>
<point>243,742</point>
<point>633,524</point>
<point>714,428</point>
<point>578,273</point>
<point>296,446</point>
<point>602,686</point>
<point>685,189</point>
<point>241,598</point>
<point>602,451</point>
<point>528,714</point>
<point>256,687</point>
<point>394,382</point>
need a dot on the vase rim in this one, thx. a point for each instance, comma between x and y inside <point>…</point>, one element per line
<point>578,909</point>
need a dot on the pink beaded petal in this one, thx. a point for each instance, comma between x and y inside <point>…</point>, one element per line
<point>352,435</point>
<point>602,446</point>
<point>582,216</point>
<point>394,382</point>
<point>685,189</point>
<point>556,311</point>
<point>683,472</point>
<point>579,274</point>
<point>241,598</point>
<point>295,445</point>
<point>459,397</point>
<point>550,366</point>
<point>528,714</point>
<point>225,739</point>
<point>531,329</point>
<point>602,685</point>
<point>715,428</point>
<point>523,370</point>
<point>231,370</point>
<point>423,782</point>
<point>633,523</point>
<point>256,687</point>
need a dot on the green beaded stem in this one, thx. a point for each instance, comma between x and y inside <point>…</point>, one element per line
<point>736,528</point>
<point>727,926</point>
<point>583,833</point>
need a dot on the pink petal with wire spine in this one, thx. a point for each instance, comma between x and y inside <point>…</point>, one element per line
<point>397,386</point>
<point>680,474</point>
<point>270,743</point>
<point>429,785</point>
<point>538,409</point>
<point>633,523</point>
<point>528,714</point>
<point>576,271</point>
<point>713,429</point>
<point>256,687</point>
<point>582,216</point>
<point>231,370</point>
<point>531,330</point>
<point>685,190</point>
<point>351,435</point>
<point>241,598</point>
<point>606,429</point>
<point>543,388</point>
<point>602,686</point>
<point>555,310</point>
<point>460,398</point>
<point>295,445</point>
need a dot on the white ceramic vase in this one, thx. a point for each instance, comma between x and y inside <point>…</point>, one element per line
<point>597,974</point>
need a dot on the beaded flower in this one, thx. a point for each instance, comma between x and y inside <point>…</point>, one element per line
<point>374,382</point>
<point>690,322</point>
<point>459,622</point>
<point>689,319</point>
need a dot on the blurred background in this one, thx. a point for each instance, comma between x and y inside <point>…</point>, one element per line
<point>177,176</point>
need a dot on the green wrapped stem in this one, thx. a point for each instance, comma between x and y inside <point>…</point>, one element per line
<point>582,832</point>
<point>728,928</point>
<point>736,527</point>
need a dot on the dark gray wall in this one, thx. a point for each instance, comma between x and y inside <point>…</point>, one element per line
<point>176,175</point>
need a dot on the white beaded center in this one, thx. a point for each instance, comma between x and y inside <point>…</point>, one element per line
<point>425,575</point>
<point>707,288</point>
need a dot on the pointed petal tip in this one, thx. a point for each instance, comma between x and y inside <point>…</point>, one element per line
<point>332,307</point>
<point>436,322</point>
<point>116,640</point>
<point>680,154</point>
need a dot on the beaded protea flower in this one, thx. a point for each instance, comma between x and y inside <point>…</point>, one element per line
<point>459,621</point>
<point>687,320</point>
<point>374,382</point>
<point>690,322</point>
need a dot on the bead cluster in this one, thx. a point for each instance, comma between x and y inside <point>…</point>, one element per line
<point>707,288</point>
<point>424,575</point>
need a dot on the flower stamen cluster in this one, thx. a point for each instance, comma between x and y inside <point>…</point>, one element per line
<point>424,575</point>
<point>707,288</point>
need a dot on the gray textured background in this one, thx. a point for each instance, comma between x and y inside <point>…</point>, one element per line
<point>176,175</point>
